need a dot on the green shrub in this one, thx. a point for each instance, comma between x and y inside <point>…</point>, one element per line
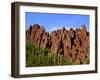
<point>37,56</point>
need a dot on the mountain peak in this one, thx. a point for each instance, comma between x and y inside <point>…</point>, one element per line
<point>72,43</point>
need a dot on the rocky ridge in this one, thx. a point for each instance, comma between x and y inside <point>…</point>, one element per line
<point>73,44</point>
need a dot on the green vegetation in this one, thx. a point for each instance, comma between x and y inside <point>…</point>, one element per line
<point>36,56</point>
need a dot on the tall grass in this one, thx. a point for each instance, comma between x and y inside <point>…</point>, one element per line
<point>36,56</point>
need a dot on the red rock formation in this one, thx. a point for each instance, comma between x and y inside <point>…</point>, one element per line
<point>73,44</point>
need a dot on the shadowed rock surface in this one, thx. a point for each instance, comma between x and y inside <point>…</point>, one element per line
<point>73,44</point>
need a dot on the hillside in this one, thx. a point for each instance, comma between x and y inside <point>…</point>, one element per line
<point>73,44</point>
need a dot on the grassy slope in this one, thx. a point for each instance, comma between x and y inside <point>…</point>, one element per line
<point>36,56</point>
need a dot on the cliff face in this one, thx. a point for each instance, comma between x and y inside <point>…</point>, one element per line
<point>73,44</point>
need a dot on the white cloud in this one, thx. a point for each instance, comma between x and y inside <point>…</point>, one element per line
<point>59,27</point>
<point>54,28</point>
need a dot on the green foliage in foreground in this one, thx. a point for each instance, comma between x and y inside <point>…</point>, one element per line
<point>36,56</point>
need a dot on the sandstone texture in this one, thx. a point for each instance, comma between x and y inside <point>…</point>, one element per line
<point>72,43</point>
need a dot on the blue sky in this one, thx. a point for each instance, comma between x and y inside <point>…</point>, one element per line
<point>53,22</point>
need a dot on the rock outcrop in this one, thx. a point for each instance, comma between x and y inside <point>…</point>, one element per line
<point>73,44</point>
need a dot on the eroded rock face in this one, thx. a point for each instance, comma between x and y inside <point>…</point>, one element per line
<point>73,44</point>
